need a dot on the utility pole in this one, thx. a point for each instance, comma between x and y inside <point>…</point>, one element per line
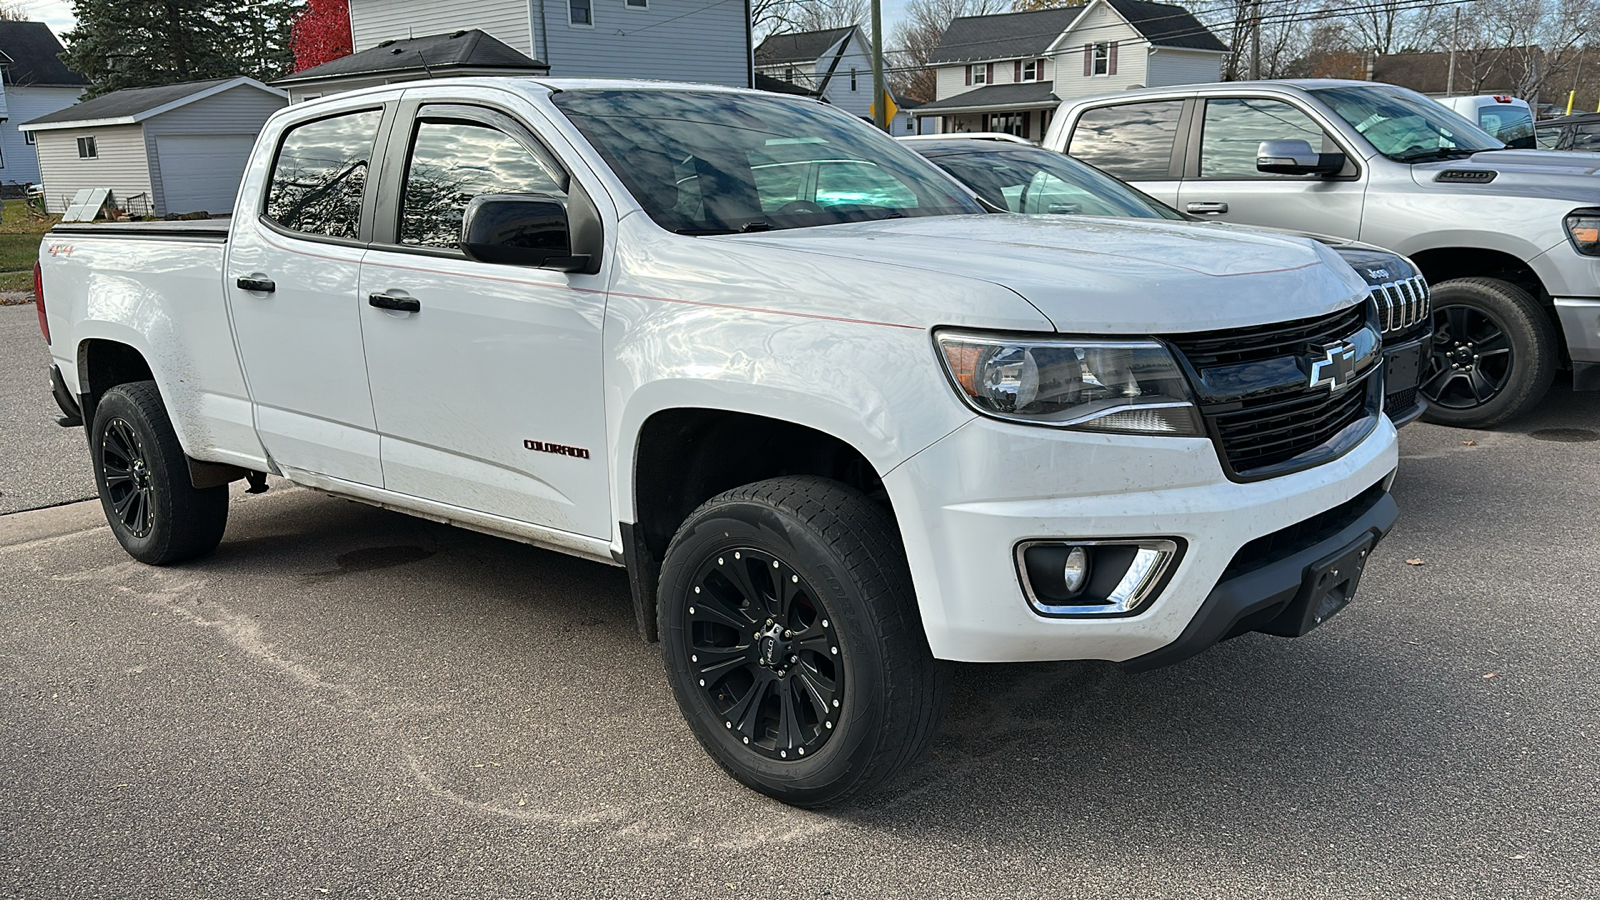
<point>880,112</point>
<point>1455,31</point>
<point>1255,39</point>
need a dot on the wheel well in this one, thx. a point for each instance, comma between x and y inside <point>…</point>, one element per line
<point>687,456</point>
<point>1446,263</point>
<point>102,365</point>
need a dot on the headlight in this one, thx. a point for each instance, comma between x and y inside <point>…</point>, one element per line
<point>1583,230</point>
<point>1131,387</point>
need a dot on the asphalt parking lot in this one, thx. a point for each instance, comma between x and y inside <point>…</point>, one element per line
<point>344,701</point>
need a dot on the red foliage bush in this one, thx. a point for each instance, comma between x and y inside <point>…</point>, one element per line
<point>321,33</point>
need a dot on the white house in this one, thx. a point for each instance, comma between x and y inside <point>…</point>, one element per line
<point>679,40</point>
<point>459,53</point>
<point>178,148</point>
<point>834,65</point>
<point>36,83</point>
<point>1008,72</point>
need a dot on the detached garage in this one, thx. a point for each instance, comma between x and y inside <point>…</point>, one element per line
<point>179,148</point>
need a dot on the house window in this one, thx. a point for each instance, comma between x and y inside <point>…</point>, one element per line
<point>86,148</point>
<point>978,74</point>
<point>852,79</point>
<point>27,138</point>
<point>1030,70</point>
<point>637,4</point>
<point>578,12</point>
<point>1102,59</point>
<point>788,75</point>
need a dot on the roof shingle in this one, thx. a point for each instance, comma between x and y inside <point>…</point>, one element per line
<point>455,53</point>
<point>33,57</point>
<point>126,103</point>
<point>1004,36</point>
<point>800,46</point>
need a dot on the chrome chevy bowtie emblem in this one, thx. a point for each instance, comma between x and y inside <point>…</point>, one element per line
<point>1336,368</point>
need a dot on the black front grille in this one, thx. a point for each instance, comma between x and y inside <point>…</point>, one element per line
<point>1233,346</point>
<point>1286,542</point>
<point>1265,435</point>
<point>1400,403</point>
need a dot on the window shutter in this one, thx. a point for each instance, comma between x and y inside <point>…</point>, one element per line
<point>988,73</point>
<point>1111,59</point>
<point>969,76</point>
<point>1016,72</point>
<point>1088,60</point>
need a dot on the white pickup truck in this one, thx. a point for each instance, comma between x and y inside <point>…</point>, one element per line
<point>839,424</point>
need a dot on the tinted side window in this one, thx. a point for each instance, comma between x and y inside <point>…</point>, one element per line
<point>1234,129</point>
<point>1132,142</point>
<point>1586,138</point>
<point>321,174</point>
<point>452,162</point>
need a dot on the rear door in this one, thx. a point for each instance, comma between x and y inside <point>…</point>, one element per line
<point>1221,181</point>
<point>488,396</point>
<point>294,264</point>
<point>1135,142</point>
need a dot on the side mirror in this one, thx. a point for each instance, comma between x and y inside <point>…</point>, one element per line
<point>520,230</point>
<point>1296,158</point>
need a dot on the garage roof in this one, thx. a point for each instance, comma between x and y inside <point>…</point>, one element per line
<point>134,105</point>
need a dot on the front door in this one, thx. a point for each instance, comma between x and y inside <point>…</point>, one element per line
<point>292,276</point>
<point>1223,182</point>
<point>488,395</point>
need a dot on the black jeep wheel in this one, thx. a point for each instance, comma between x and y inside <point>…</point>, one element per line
<point>790,634</point>
<point>157,515</point>
<point>1494,354</point>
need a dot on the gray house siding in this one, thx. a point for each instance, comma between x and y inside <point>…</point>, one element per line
<point>375,21</point>
<point>674,40</point>
<point>239,112</point>
<point>121,164</point>
<point>19,161</point>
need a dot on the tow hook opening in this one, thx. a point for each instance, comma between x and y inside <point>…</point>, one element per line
<point>1072,578</point>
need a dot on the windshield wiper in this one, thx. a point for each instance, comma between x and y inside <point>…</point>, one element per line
<point>704,232</point>
<point>1439,153</point>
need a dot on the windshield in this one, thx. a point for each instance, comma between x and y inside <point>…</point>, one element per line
<point>720,163</point>
<point>1404,125</point>
<point>1043,181</point>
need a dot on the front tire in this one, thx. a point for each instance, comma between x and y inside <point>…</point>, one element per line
<point>157,515</point>
<point>1494,354</point>
<point>790,634</point>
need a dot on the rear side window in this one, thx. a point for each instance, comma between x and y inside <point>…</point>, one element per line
<point>1586,138</point>
<point>1133,141</point>
<point>452,162</point>
<point>321,174</point>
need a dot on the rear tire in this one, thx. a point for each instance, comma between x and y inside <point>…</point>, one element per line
<point>790,634</point>
<point>1494,354</point>
<point>157,514</point>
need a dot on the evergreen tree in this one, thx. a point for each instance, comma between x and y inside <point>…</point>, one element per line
<point>141,43</point>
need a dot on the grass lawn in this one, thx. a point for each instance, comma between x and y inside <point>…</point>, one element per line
<point>19,245</point>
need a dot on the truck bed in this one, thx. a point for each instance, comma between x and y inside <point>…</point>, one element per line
<point>192,230</point>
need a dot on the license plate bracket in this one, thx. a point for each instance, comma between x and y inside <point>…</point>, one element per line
<point>1326,587</point>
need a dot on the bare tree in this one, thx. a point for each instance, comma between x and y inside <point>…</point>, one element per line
<point>916,35</point>
<point>13,11</point>
<point>768,17</point>
<point>1540,42</point>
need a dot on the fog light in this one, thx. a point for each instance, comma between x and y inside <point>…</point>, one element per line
<point>1095,578</point>
<point>1076,571</point>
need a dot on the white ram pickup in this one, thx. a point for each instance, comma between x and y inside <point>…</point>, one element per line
<point>839,424</point>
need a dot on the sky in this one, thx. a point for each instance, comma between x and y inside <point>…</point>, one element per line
<point>55,13</point>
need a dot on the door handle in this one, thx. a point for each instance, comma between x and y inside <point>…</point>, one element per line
<point>1204,209</point>
<point>399,304</point>
<point>259,285</point>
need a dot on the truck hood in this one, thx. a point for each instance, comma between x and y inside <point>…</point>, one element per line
<point>1103,275</point>
<point>1544,173</point>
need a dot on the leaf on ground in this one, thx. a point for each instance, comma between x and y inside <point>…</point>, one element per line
<point>1414,561</point>
<point>1470,443</point>
<point>1491,674</point>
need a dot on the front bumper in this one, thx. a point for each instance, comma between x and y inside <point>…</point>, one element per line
<point>966,502</point>
<point>1580,323</point>
<point>1403,367</point>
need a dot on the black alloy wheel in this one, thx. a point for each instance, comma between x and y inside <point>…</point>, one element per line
<point>791,636</point>
<point>765,653</point>
<point>127,476</point>
<point>146,491</point>
<point>1493,356</point>
<point>1472,358</point>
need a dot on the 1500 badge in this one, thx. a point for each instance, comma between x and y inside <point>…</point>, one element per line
<point>558,449</point>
